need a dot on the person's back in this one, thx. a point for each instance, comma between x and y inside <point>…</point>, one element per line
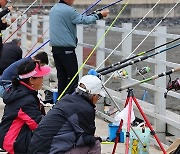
<point>62,119</point>
<point>11,53</point>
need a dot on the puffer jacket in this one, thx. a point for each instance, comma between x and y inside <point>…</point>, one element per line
<point>70,123</point>
<point>21,116</point>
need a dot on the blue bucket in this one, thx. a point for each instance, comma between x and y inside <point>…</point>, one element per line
<point>112,133</point>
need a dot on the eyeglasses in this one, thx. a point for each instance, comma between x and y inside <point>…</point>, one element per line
<point>99,97</point>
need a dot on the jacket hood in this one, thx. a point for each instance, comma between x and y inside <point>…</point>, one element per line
<point>14,94</point>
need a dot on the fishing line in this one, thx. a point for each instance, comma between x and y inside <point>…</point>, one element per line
<point>48,28</point>
<point>128,35</point>
<point>94,49</point>
<point>35,11</point>
<point>150,33</point>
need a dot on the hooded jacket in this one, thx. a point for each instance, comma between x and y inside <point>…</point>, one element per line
<point>70,123</point>
<point>21,116</point>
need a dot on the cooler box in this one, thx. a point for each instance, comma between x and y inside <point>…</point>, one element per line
<point>135,147</point>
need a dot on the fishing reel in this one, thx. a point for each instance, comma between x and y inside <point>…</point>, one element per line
<point>120,74</point>
<point>172,85</point>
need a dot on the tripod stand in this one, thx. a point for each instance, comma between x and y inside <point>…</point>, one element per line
<point>130,98</point>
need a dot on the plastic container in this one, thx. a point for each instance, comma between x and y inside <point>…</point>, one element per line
<point>135,146</point>
<point>112,133</point>
<point>55,95</point>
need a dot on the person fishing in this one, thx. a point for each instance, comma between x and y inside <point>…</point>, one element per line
<point>23,110</point>
<point>69,127</point>
<point>63,19</point>
<point>8,73</point>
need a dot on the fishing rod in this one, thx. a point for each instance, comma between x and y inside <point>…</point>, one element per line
<point>89,8</point>
<point>154,28</point>
<point>128,34</point>
<point>151,78</point>
<point>135,56</point>
<point>39,48</point>
<point>20,15</point>
<point>37,43</point>
<point>106,6</point>
<point>137,60</point>
<point>48,28</point>
<point>94,4</point>
<point>35,11</point>
<point>81,67</point>
<point>146,36</point>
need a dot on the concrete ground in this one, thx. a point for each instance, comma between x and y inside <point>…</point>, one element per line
<point>101,130</point>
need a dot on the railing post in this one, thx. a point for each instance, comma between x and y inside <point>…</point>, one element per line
<point>159,100</point>
<point>46,32</point>
<point>24,42</point>
<point>14,28</point>
<point>126,51</point>
<point>34,30</point>
<point>100,55</point>
<point>79,49</point>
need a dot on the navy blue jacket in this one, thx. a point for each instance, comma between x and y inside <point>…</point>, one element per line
<point>70,123</point>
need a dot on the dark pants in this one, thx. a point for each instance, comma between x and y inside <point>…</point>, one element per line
<point>96,149</point>
<point>67,66</point>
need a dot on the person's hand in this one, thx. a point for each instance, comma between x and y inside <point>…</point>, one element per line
<point>104,13</point>
<point>4,20</point>
<point>13,19</point>
<point>10,8</point>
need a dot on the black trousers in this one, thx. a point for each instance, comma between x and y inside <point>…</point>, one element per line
<point>67,66</point>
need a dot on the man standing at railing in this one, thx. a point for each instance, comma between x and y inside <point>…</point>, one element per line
<point>63,39</point>
<point>3,22</point>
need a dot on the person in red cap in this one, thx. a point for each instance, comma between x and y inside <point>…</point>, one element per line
<point>22,111</point>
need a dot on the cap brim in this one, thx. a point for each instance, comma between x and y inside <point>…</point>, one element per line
<point>43,71</point>
<point>102,93</point>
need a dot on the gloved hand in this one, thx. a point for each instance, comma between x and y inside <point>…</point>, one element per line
<point>92,72</point>
<point>98,138</point>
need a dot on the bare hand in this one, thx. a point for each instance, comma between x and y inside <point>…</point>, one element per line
<point>10,8</point>
<point>104,13</point>
<point>13,19</point>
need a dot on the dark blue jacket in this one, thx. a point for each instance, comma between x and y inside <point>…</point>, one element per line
<point>11,53</point>
<point>70,123</point>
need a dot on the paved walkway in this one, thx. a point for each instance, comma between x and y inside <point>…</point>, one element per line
<point>101,130</point>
